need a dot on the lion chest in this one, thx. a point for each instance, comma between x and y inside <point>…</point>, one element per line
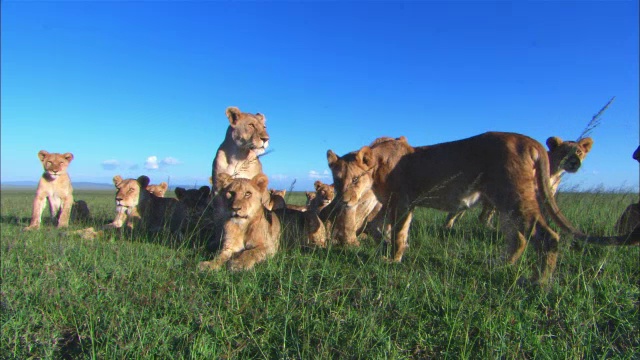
<point>55,190</point>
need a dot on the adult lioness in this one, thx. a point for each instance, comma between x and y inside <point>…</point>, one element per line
<point>55,187</point>
<point>246,139</point>
<point>510,171</point>
<point>141,208</point>
<point>251,232</point>
<point>563,156</point>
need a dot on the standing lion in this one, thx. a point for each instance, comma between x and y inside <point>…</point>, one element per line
<point>54,187</point>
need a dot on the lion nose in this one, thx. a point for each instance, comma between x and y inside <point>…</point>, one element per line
<point>264,139</point>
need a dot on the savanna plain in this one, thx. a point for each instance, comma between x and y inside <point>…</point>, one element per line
<point>127,296</point>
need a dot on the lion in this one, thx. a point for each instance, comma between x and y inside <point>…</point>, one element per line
<point>194,200</point>
<point>564,156</point>
<point>251,232</point>
<point>630,218</point>
<point>324,195</point>
<point>246,139</point>
<point>509,171</point>
<point>276,199</point>
<point>158,190</point>
<point>310,196</point>
<point>139,207</point>
<point>54,187</point>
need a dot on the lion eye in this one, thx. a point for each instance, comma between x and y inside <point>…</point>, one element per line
<point>130,189</point>
<point>355,179</point>
<point>49,163</point>
<point>247,194</point>
<point>252,125</point>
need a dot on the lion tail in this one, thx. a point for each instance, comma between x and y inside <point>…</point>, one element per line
<point>547,197</point>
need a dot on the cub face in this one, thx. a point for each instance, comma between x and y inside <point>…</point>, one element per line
<point>351,174</point>
<point>324,193</point>
<point>158,190</point>
<point>310,196</point>
<point>249,131</point>
<point>567,155</point>
<point>54,164</point>
<point>128,192</point>
<point>242,197</point>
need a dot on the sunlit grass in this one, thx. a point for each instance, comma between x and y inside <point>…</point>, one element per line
<point>136,298</point>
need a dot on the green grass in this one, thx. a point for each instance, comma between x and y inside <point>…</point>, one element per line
<point>132,297</point>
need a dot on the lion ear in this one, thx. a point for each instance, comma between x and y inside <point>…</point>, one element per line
<point>553,142</point>
<point>211,180</point>
<point>233,113</point>
<point>223,180</point>
<point>68,156</point>
<point>261,117</point>
<point>117,180</point>
<point>332,158</point>
<point>317,184</point>
<point>163,185</point>
<point>586,143</point>
<point>261,181</point>
<point>364,157</point>
<point>42,154</point>
<point>179,192</point>
<point>144,181</point>
<point>403,139</point>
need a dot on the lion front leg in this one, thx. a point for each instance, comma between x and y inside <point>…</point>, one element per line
<point>38,207</point>
<point>217,262</point>
<point>248,258</point>
<point>65,212</point>
<point>401,241</point>
<point>451,219</point>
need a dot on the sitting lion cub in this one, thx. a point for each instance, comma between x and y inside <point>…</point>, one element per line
<point>251,232</point>
<point>55,187</point>
<point>136,205</point>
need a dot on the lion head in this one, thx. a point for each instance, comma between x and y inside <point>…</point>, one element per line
<point>128,192</point>
<point>196,200</point>
<point>310,196</point>
<point>242,197</point>
<point>248,131</point>
<point>158,190</point>
<point>54,164</point>
<point>567,155</point>
<point>324,194</point>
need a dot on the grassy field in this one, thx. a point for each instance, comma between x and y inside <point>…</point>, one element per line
<point>130,297</point>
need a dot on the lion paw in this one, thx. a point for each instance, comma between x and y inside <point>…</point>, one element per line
<point>207,266</point>
<point>31,228</point>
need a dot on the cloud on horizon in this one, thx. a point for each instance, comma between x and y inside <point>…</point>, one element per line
<point>316,175</point>
<point>111,164</point>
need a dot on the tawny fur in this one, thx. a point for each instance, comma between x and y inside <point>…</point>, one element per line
<point>158,190</point>
<point>251,232</point>
<point>564,156</point>
<point>55,188</point>
<point>510,171</point>
<point>137,207</point>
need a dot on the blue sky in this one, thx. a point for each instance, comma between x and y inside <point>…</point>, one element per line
<point>136,88</point>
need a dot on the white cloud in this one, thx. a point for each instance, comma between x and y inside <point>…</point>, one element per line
<point>151,163</point>
<point>111,164</point>
<point>170,161</point>
<point>316,175</point>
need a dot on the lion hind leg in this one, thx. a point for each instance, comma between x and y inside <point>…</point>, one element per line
<point>546,243</point>
<point>514,235</point>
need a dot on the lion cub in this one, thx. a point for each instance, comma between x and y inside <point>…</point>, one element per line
<point>137,205</point>
<point>55,187</point>
<point>158,190</point>
<point>251,232</point>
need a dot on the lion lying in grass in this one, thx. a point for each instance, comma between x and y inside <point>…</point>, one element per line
<point>251,232</point>
<point>140,208</point>
<point>54,187</point>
